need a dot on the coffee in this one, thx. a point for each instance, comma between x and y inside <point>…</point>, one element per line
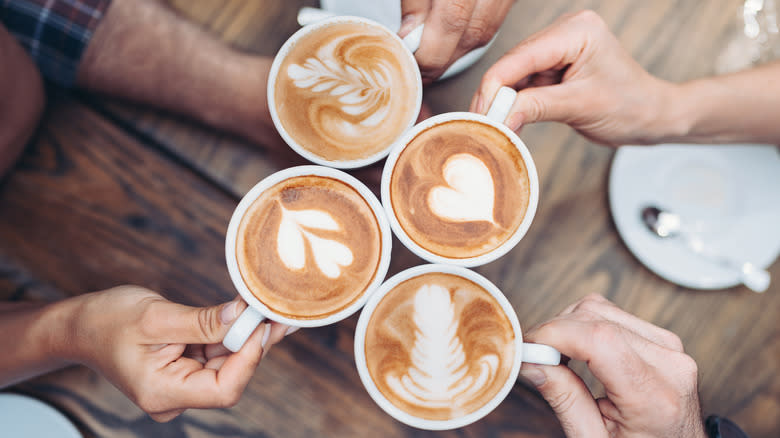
<point>308,247</point>
<point>346,90</point>
<point>460,189</point>
<point>439,346</point>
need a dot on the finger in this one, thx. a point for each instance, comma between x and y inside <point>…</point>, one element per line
<point>167,416</point>
<point>569,398</point>
<point>552,48</point>
<point>278,332</point>
<point>598,305</point>
<point>216,363</point>
<point>607,348</point>
<point>485,22</point>
<point>610,414</point>
<point>554,103</point>
<point>167,322</point>
<point>413,14</point>
<point>199,387</point>
<point>444,28</point>
<point>214,350</point>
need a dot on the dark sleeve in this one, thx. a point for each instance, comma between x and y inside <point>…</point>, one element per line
<point>719,427</point>
<point>54,32</point>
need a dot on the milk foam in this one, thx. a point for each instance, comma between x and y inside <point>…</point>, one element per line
<point>329,255</point>
<point>470,193</point>
<point>439,376</point>
<point>362,90</point>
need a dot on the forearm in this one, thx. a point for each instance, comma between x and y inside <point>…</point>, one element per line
<point>34,340</point>
<point>741,107</point>
<point>143,52</point>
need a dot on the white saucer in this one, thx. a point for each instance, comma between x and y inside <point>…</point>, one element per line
<point>730,194</point>
<point>388,13</point>
<point>22,417</point>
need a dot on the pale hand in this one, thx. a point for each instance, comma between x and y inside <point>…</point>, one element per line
<point>576,72</point>
<point>165,357</point>
<point>650,383</point>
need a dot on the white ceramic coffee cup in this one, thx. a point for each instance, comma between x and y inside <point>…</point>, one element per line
<point>315,21</point>
<point>256,312</point>
<point>526,352</point>
<point>495,117</point>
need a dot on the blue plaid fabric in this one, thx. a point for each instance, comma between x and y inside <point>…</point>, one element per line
<point>54,32</point>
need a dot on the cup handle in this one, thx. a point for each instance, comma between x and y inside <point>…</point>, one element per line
<point>413,39</point>
<point>502,103</point>
<point>541,354</point>
<point>244,326</point>
<point>308,15</point>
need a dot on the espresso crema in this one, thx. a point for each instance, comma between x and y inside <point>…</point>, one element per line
<point>460,189</point>
<point>439,346</point>
<point>308,247</point>
<point>346,91</point>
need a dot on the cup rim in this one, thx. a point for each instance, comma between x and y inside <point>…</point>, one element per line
<point>508,244</point>
<point>248,199</point>
<point>274,73</point>
<point>360,335</point>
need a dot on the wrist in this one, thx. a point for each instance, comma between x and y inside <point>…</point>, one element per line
<point>58,330</point>
<point>672,117</point>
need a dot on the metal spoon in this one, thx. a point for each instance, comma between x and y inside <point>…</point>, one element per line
<point>665,224</point>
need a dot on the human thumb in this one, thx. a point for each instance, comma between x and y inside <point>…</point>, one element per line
<point>198,325</point>
<point>569,398</point>
<point>553,103</point>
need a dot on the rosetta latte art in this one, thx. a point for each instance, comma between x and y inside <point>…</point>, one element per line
<point>346,91</point>
<point>361,91</point>
<point>439,376</point>
<point>439,346</point>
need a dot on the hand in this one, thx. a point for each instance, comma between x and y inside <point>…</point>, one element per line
<point>452,28</point>
<point>650,382</point>
<point>165,357</point>
<point>576,72</point>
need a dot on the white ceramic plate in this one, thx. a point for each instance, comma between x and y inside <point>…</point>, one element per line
<point>729,194</point>
<point>22,417</point>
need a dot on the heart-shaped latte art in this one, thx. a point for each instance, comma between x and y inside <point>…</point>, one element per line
<point>469,194</point>
<point>329,255</point>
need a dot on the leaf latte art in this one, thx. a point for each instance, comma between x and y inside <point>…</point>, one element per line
<point>439,346</point>
<point>344,92</point>
<point>308,247</point>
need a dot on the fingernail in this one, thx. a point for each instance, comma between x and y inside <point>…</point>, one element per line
<point>291,330</point>
<point>514,121</point>
<point>479,103</point>
<point>406,24</point>
<point>533,375</point>
<point>266,335</point>
<point>228,312</point>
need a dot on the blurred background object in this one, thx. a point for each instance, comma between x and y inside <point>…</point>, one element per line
<point>756,39</point>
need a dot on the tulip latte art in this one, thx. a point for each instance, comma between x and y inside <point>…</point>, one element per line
<point>308,247</point>
<point>439,346</point>
<point>460,189</point>
<point>346,91</point>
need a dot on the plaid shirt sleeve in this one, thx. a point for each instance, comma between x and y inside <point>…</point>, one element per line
<point>54,32</point>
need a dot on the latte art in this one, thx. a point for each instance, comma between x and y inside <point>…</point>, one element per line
<point>362,91</point>
<point>460,189</point>
<point>345,91</point>
<point>308,247</point>
<point>294,234</point>
<point>439,346</point>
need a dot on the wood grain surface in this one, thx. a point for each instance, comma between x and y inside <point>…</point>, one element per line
<point>112,193</point>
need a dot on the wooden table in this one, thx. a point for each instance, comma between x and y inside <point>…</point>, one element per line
<point>108,193</point>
